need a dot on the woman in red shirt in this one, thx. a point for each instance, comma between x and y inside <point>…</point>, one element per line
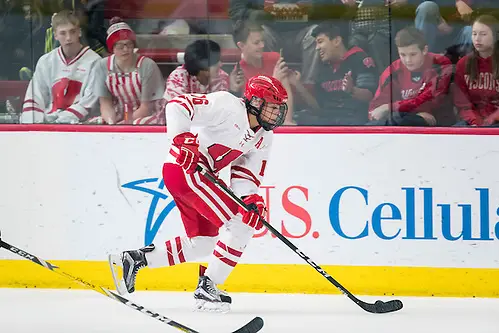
<point>476,94</point>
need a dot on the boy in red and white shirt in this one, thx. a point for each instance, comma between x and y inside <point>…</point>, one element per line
<point>201,72</point>
<point>130,86</point>
<point>61,88</point>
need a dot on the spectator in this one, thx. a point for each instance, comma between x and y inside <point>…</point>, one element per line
<point>370,29</point>
<point>201,72</point>
<point>286,26</point>
<point>130,86</point>
<point>249,39</point>
<point>344,85</point>
<point>91,16</point>
<point>477,76</point>
<point>455,37</point>
<point>414,86</point>
<point>61,88</point>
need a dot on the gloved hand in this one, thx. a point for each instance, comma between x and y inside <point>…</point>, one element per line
<point>256,208</point>
<point>188,156</point>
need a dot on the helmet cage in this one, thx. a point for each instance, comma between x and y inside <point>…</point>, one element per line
<point>267,121</point>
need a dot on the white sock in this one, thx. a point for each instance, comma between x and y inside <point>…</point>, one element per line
<point>179,250</point>
<point>228,250</point>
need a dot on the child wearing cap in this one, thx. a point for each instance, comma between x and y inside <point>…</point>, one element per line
<point>130,86</point>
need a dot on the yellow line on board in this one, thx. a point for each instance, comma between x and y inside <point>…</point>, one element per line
<point>360,280</point>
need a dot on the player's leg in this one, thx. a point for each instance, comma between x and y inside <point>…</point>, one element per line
<point>202,212</point>
<point>233,239</point>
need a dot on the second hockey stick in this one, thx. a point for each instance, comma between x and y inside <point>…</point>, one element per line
<point>253,326</point>
<point>377,307</point>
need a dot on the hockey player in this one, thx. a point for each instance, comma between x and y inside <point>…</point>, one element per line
<point>60,90</point>
<point>129,86</point>
<point>230,130</point>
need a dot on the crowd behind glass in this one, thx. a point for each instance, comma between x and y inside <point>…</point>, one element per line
<point>343,62</point>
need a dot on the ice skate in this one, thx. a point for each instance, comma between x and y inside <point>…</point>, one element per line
<point>130,263</point>
<point>209,298</point>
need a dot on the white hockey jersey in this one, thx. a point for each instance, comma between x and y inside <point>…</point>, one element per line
<point>221,121</point>
<point>60,86</point>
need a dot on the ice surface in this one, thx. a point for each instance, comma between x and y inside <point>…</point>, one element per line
<point>82,311</point>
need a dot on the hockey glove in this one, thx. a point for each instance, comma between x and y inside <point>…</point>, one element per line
<point>188,155</point>
<point>256,208</point>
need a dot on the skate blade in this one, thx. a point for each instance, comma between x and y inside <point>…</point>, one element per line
<point>116,267</point>
<point>204,306</point>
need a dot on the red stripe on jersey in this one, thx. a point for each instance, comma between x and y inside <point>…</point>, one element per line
<point>32,108</point>
<point>136,99</point>
<point>230,250</point>
<point>119,93</point>
<point>110,85</point>
<point>188,100</point>
<point>139,82</point>
<point>224,260</point>
<point>139,61</point>
<point>82,52</point>
<point>76,113</point>
<point>171,261</point>
<point>233,176</point>
<point>61,56</point>
<point>183,104</point>
<point>127,84</point>
<point>29,101</point>
<point>180,252</point>
<point>247,172</point>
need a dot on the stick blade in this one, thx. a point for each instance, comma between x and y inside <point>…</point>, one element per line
<point>383,307</point>
<point>255,325</point>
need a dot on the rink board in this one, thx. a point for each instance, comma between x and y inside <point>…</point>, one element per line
<point>403,214</point>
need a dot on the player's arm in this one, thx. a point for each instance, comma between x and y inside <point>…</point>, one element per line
<point>247,173</point>
<point>107,111</point>
<point>380,104</point>
<point>37,98</point>
<point>306,95</point>
<point>88,100</point>
<point>248,170</point>
<point>365,83</point>
<point>432,94</point>
<point>441,84</point>
<point>362,94</point>
<point>461,97</point>
<point>180,114</point>
<point>152,88</point>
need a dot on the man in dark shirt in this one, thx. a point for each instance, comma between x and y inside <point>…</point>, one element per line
<point>344,85</point>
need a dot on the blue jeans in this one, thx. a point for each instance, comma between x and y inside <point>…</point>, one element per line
<point>427,20</point>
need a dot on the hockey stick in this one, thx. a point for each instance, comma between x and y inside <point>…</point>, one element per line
<point>253,326</point>
<point>377,307</point>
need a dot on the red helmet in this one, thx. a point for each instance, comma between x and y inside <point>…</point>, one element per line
<point>262,90</point>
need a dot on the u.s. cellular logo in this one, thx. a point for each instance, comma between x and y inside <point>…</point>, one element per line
<point>155,187</point>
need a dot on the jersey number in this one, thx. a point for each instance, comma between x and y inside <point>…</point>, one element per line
<point>64,93</point>
<point>222,155</point>
<point>199,99</point>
